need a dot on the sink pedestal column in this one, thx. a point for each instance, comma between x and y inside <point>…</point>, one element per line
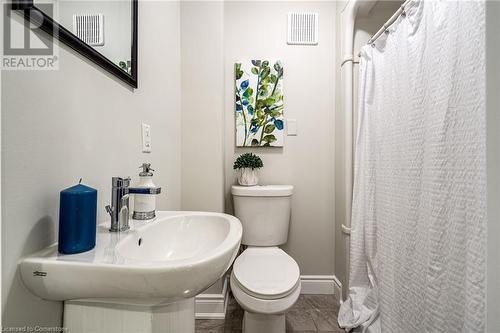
<point>95,317</point>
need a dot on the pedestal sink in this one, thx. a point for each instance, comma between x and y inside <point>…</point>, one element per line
<point>142,280</point>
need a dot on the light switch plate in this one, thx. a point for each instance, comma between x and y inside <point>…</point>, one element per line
<point>291,127</point>
<point>146,138</point>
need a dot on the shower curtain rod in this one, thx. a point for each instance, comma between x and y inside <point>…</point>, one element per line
<point>400,11</point>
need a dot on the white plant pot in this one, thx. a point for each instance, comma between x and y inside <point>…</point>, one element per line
<point>248,177</point>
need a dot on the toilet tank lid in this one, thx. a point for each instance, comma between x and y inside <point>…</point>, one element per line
<point>262,190</point>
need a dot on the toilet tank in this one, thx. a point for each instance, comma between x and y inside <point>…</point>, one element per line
<point>264,212</point>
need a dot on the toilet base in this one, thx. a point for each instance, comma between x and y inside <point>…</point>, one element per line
<point>258,323</point>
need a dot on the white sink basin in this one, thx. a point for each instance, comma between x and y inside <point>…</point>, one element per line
<point>177,255</point>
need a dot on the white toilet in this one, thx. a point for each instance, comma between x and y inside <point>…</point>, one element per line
<point>265,280</point>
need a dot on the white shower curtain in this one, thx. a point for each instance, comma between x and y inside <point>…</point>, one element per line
<point>419,203</point>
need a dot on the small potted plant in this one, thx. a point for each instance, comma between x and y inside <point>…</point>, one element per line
<point>247,165</point>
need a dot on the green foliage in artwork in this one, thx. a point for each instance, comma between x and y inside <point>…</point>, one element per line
<point>248,92</point>
<point>268,139</point>
<point>237,71</point>
<point>269,128</point>
<point>260,106</point>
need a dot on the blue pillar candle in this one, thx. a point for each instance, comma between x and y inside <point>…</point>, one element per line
<point>77,219</point>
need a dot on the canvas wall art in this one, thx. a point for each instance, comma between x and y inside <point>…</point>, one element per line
<point>259,103</point>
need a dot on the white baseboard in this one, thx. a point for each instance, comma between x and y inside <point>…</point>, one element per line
<point>212,306</point>
<point>318,284</point>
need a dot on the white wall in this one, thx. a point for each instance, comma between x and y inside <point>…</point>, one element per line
<point>254,31</point>
<point>1,223</point>
<point>493,160</point>
<point>341,241</point>
<point>77,122</point>
<point>202,25</point>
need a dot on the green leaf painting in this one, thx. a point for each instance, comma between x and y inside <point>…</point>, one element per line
<point>259,103</point>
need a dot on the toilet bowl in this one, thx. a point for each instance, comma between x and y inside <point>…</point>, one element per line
<point>265,280</point>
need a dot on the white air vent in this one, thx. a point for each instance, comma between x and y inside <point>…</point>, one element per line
<point>89,28</point>
<point>302,28</point>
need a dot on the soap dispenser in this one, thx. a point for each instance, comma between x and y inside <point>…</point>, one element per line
<point>145,204</point>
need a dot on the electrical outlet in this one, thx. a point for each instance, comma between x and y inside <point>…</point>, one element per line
<point>146,138</point>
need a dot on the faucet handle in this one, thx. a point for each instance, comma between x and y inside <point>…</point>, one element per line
<point>110,210</point>
<point>120,182</point>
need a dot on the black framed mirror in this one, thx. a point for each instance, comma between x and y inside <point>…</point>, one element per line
<point>103,31</point>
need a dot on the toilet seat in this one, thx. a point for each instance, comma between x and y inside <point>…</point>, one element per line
<point>263,306</point>
<point>266,273</point>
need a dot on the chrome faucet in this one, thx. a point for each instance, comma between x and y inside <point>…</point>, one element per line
<point>119,209</point>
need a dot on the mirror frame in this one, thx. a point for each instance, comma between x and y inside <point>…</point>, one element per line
<point>56,30</point>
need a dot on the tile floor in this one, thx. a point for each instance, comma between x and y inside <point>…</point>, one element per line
<point>311,313</point>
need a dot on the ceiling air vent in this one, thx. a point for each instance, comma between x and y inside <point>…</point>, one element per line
<point>302,28</point>
<point>89,28</point>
